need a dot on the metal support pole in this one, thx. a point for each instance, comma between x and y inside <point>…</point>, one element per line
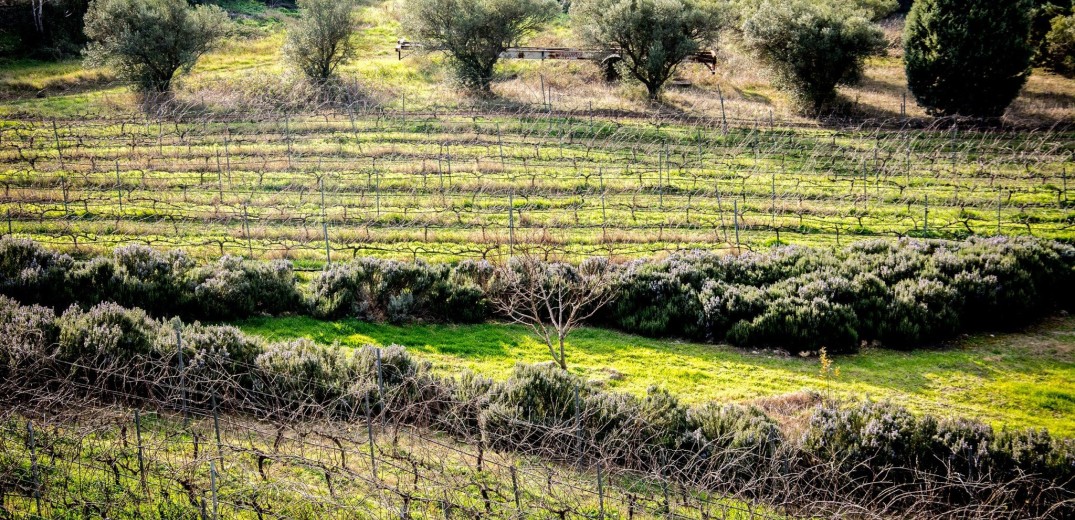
<point>600,492</point>
<point>511,224</point>
<point>141,457</point>
<point>212,486</point>
<point>324,221</point>
<point>380,387</point>
<point>216,430</point>
<point>182,375</point>
<point>735,218</point>
<point>33,465</point>
<point>369,433</point>
<point>119,190</point>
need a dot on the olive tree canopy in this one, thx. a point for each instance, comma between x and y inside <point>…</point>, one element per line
<point>652,36</point>
<point>475,32</point>
<point>321,39</point>
<point>149,41</point>
<point>813,46</point>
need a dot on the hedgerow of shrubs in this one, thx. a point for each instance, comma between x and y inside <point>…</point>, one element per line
<point>373,289</point>
<point>865,449</point>
<point>160,283</point>
<point>801,299</point>
<point>898,294</point>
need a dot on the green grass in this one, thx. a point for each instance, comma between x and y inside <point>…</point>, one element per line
<point>1024,379</point>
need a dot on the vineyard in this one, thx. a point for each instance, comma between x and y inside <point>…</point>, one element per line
<point>182,455</point>
<point>357,181</point>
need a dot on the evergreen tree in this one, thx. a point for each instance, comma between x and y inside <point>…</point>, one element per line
<point>967,57</point>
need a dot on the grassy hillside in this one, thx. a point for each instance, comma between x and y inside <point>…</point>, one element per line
<point>251,63</point>
<point>1023,379</point>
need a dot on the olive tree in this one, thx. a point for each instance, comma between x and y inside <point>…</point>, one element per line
<point>149,41</point>
<point>812,46</point>
<point>653,37</point>
<point>321,39</point>
<point>475,32</point>
<point>967,57</point>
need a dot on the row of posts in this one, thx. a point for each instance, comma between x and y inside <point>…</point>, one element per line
<point>211,511</point>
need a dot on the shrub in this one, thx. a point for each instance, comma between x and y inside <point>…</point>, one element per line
<point>109,346</point>
<point>321,39</point>
<point>800,325</point>
<point>410,393</point>
<point>1042,14</point>
<point>151,280</point>
<point>920,310</point>
<point>475,32</point>
<point>236,288</point>
<point>468,395</point>
<point>304,378</point>
<point>665,424</point>
<point>881,9</point>
<point>467,287</point>
<point>813,47</point>
<point>372,289</point>
<point>967,57</point>
<point>33,274</point>
<point>343,290</point>
<point>659,299</point>
<point>149,41</point>
<point>536,407</point>
<point>739,442</point>
<point>964,448</point>
<point>27,338</point>
<point>1059,48</point>
<point>653,37</point>
<point>220,360</point>
<point>869,438</point>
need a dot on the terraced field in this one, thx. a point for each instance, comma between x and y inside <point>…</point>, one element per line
<point>446,186</point>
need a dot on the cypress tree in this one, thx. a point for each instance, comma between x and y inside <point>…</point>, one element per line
<point>967,57</point>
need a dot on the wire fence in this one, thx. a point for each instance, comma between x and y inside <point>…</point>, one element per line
<point>181,449</point>
<point>371,182</point>
<point>200,435</point>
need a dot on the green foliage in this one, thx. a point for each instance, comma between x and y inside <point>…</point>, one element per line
<point>219,359</point>
<point>234,288</point>
<point>738,440</point>
<point>106,336</point>
<point>879,9</point>
<point>967,57</point>
<point>475,32</point>
<point>545,409</point>
<point>32,273</point>
<point>320,41</point>
<point>149,41</point>
<point>652,36</point>
<point>1058,53</point>
<point>870,437</point>
<point>801,299</point>
<point>813,47</point>
<point>1042,15</point>
<point>799,325</point>
<point>795,298</point>
<point>302,375</point>
<point>51,31</point>
<point>149,279</point>
<point>27,335</point>
<point>374,289</point>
